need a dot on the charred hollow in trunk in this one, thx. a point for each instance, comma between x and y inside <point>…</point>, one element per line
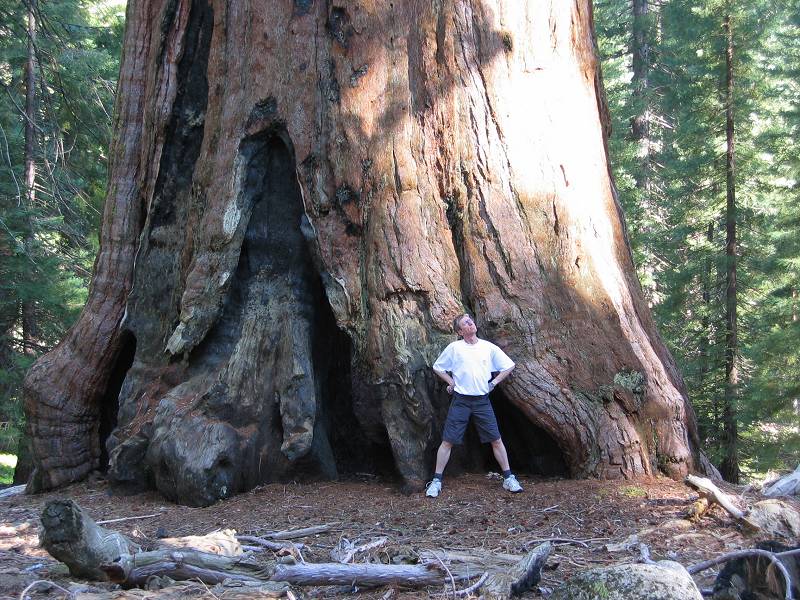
<point>109,404</point>
<point>266,394</point>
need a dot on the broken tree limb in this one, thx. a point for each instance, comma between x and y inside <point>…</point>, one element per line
<point>788,485</point>
<point>465,564</point>
<point>122,519</point>
<point>270,545</point>
<point>771,556</point>
<point>362,574</point>
<point>291,534</point>
<point>521,577</point>
<point>72,537</point>
<point>135,569</point>
<point>706,488</point>
<point>474,586</point>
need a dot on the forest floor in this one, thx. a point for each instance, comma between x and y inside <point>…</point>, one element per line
<point>473,513</point>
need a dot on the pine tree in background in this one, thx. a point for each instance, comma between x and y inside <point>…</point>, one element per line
<point>771,421</point>
<point>58,67</point>
<point>682,221</point>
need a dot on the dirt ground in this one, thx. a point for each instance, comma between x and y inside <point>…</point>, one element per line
<point>473,513</point>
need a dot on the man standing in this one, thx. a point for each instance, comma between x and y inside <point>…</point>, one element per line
<point>466,366</point>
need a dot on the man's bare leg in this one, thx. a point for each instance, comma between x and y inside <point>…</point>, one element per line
<point>500,454</point>
<point>443,456</point>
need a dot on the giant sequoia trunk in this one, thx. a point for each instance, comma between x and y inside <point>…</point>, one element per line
<point>303,195</point>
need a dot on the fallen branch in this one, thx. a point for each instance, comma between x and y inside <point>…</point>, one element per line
<point>120,520</point>
<point>135,569</point>
<point>712,493</point>
<point>269,545</point>
<point>644,552</point>
<point>39,582</point>
<point>557,540</point>
<point>474,586</point>
<point>788,485</point>
<point>363,574</point>
<point>449,574</point>
<point>771,556</point>
<point>291,534</point>
<point>521,577</point>
<point>71,536</point>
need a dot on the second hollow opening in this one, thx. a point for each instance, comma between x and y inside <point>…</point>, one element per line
<point>531,450</point>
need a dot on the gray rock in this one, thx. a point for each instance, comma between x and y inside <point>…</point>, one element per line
<point>665,580</point>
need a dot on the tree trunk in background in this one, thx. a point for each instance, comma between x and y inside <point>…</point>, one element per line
<point>29,325</point>
<point>705,328</point>
<point>641,122</point>
<point>730,463</point>
<point>303,195</point>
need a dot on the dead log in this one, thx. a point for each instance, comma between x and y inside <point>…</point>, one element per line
<point>91,551</point>
<point>363,574</point>
<point>788,485</point>
<point>133,570</point>
<point>755,571</point>
<point>72,536</point>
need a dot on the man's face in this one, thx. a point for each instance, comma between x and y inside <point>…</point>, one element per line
<point>466,326</point>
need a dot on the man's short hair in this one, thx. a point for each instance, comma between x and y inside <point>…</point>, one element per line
<point>457,322</point>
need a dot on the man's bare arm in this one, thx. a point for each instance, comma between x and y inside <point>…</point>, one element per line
<point>500,376</point>
<point>445,376</point>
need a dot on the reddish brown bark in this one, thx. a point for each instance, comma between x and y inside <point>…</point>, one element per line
<point>436,157</point>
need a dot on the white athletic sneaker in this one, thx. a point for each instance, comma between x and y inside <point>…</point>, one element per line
<point>434,487</point>
<point>511,484</point>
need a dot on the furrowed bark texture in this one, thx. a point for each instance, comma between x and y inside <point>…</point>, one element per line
<point>304,194</point>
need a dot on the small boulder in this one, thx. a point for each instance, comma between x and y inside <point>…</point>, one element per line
<point>665,580</point>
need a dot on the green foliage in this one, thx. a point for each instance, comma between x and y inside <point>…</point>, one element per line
<point>677,220</point>
<point>633,491</point>
<point>48,239</point>
<point>7,464</point>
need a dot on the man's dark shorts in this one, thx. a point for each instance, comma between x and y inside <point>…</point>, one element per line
<point>458,416</point>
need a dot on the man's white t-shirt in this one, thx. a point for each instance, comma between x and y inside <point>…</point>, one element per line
<point>472,365</point>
